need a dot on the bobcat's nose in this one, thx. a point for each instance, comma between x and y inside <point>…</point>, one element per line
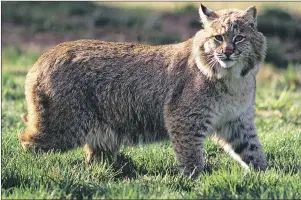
<point>228,50</point>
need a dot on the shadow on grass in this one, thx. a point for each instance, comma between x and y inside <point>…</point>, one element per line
<point>127,168</point>
<point>70,188</point>
<point>12,179</point>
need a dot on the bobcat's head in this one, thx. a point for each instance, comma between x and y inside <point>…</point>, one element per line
<point>229,43</point>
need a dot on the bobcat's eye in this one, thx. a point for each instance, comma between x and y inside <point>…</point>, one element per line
<point>218,38</point>
<point>239,38</point>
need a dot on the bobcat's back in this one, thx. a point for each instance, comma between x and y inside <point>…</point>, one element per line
<point>122,84</point>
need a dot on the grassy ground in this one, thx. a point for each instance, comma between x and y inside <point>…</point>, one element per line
<point>151,171</point>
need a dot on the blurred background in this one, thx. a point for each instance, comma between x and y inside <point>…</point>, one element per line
<point>29,28</point>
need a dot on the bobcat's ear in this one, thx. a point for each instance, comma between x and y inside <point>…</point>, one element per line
<point>251,11</point>
<point>206,14</point>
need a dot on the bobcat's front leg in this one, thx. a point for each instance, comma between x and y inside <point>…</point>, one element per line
<point>187,135</point>
<point>239,137</point>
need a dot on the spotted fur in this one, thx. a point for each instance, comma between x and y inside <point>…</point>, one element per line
<point>104,94</point>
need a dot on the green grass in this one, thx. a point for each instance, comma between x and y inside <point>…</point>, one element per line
<point>151,171</point>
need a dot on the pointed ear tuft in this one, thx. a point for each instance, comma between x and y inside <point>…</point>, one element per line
<point>251,11</point>
<point>206,14</point>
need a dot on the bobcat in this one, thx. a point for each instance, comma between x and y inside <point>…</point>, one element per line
<point>106,94</point>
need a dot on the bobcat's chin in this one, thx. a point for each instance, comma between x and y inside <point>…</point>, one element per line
<point>225,62</point>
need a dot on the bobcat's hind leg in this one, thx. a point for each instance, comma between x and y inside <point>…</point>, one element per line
<point>52,135</point>
<point>50,128</point>
<point>31,120</point>
<point>102,144</point>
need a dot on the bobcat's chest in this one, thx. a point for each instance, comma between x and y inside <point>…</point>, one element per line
<point>235,100</point>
